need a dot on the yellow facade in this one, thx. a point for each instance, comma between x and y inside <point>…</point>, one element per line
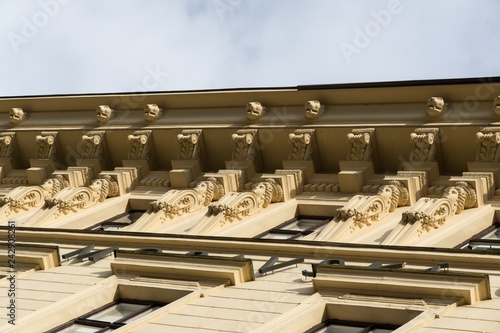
<point>260,210</point>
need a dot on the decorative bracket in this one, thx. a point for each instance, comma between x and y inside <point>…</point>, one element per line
<point>236,206</point>
<point>188,166</point>
<point>359,167</point>
<point>245,143</point>
<point>47,145</point>
<point>190,144</point>
<point>141,144</point>
<point>362,210</point>
<point>246,155</point>
<point>141,155</point>
<point>7,149</point>
<point>179,202</point>
<point>71,200</point>
<point>488,153</point>
<point>20,200</point>
<point>43,165</point>
<point>302,145</point>
<point>488,139</point>
<point>302,155</point>
<point>361,141</point>
<point>424,145</point>
<point>430,213</point>
<point>176,203</point>
<point>94,155</point>
<point>7,145</point>
<point>424,153</point>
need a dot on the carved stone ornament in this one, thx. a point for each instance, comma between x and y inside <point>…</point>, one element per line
<point>496,105</point>
<point>462,196</point>
<point>104,113</point>
<point>54,185</point>
<point>140,145</point>
<point>297,175</point>
<point>435,107</point>
<point>7,144</point>
<point>361,145</point>
<point>47,147</point>
<point>301,141</point>
<point>103,187</point>
<point>363,210</point>
<point>432,213</point>
<point>179,202</point>
<point>71,200</point>
<point>189,141</point>
<point>17,116</point>
<point>240,205</point>
<point>488,139</point>
<point>269,191</point>
<point>93,144</point>
<point>255,110</point>
<point>424,145</point>
<point>21,199</point>
<point>314,109</point>
<point>432,217</point>
<point>245,142</point>
<point>395,194</point>
<point>152,112</point>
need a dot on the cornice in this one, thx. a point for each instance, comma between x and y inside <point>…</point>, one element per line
<point>413,255</point>
<point>337,94</point>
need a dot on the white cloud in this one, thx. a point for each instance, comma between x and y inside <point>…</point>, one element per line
<point>111,45</point>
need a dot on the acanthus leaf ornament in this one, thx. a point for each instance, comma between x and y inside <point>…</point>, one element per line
<point>71,200</point>
<point>302,144</point>
<point>93,144</point>
<point>432,213</point>
<point>20,200</point>
<point>140,145</point>
<point>424,145</point>
<point>179,202</point>
<point>189,141</point>
<point>489,140</point>
<point>240,205</point>
<point>47,145</point>
<point>360,141</point>
<point>7,144</point>
<point>245,142</point>
<point>363,210</point>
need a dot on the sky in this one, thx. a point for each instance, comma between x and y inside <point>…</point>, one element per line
<point>50,47</point>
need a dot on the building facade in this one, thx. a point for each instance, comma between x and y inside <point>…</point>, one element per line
<point>342,208</point>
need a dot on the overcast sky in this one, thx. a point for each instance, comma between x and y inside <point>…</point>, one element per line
<point>103,46</point>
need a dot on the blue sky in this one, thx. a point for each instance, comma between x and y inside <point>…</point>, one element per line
<point>103,46</point>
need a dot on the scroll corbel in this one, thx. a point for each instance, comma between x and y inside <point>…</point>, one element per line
<point>177,203</point>
<point>363,210</point>
<point>431,213</point>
